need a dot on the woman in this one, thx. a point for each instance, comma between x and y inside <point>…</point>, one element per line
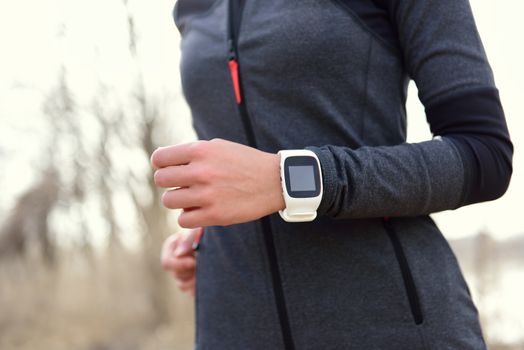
<point>372,271</point>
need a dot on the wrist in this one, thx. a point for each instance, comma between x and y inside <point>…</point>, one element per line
<point>277,197</point>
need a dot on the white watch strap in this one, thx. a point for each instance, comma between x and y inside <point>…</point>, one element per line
<point>299,209</point>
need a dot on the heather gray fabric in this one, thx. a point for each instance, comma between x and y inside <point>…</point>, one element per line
<point>403,180</point>
<point>314,77</point>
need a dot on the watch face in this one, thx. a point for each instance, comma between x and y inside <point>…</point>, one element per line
<point>302,177</point>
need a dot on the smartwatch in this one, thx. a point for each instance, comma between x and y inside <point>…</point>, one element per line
<point>301,179</point>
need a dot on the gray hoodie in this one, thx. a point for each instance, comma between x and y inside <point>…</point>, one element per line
<point>372,271</point>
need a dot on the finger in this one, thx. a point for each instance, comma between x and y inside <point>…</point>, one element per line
<point>186,285</point>
<point>184,275</point>
<point>185,247</point>
<point>188,270</point>
<point>194,218</point>
<point>184,278</point>
<point>170,243</point>
<point>182,265</point>
<point>188,240</point>
<point>172,155</point>
<point>168,262</point>
<point>178,244</point>
<point>169,246</point>
<point>177,264</point>
<point>174,176</point>
<point>181,198</point>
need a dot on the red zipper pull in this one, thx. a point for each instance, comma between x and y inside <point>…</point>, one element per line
<point>233,69</point>
<point>196,241</point>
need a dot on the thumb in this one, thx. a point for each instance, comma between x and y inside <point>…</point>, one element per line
<point>185,246</point>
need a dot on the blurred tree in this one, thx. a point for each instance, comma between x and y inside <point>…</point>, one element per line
<point>153,215</point>
<point>86,170</point>
<point>110,124</point>
<point>28,221</point>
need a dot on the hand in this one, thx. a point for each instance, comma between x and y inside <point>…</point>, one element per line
<point>179,258</point>
<point>218,182</point>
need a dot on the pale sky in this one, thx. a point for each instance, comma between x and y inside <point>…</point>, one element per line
<point>90,38</point>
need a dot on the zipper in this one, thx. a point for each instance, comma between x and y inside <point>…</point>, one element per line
<point>234,19</point>
<point>407,277</point>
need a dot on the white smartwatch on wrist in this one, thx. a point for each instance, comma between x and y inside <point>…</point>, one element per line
<point>301,178</point>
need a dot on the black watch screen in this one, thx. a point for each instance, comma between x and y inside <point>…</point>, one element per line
<point>302,176</point>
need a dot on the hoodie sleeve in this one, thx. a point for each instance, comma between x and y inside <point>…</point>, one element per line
<point>470,158</point>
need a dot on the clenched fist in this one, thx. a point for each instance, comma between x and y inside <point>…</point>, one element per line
<point>218,182</point>
<point>179,258</point>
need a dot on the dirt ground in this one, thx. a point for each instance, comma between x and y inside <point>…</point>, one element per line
<point>97,305</point>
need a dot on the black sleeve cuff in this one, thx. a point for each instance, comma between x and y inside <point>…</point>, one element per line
<point>476,125</point>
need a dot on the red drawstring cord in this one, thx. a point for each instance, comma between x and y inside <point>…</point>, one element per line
<point>233,69</point>
<point>198,237</point>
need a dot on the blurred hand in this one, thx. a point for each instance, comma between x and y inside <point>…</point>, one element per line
<point>218,182</point>
<point>179,258</point>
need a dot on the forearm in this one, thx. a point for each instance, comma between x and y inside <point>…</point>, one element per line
<point>402,180</point>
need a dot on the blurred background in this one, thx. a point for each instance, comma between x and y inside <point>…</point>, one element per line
<point>88,89</point>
